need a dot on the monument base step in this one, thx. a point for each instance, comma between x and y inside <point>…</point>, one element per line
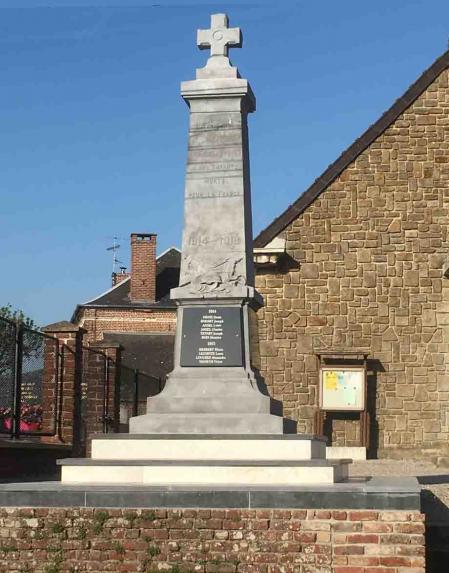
<point>156,423</point>
<point>200,472</point>
<point>293,447</point>
<point>238,402</point>
<point>348,452</point>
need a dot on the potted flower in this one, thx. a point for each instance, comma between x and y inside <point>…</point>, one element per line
<point>5,419</point>
<point>30,418</point>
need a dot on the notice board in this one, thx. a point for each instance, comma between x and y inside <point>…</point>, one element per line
<point>342,388</point>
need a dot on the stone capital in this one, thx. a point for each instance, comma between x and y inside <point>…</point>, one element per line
<point>219,88</point>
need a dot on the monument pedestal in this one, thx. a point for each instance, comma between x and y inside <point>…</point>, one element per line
<point>212,389</point>
<point>193,460</point>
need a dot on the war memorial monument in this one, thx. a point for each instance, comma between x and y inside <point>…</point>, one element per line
<point>214,417</point>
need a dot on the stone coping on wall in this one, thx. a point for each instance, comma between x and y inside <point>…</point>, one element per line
<point>32,445</point>
<point>127,436</point>
<point>370,493</point>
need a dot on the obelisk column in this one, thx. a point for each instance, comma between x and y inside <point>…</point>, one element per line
<point>213,388</point>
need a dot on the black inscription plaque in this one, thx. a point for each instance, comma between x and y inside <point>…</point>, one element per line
<point>212,336</point>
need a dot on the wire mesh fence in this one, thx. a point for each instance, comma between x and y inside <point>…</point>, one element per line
<point>8,332</point>
<point>135,387</point>
<point>29,381</point>
<point>33,373</point>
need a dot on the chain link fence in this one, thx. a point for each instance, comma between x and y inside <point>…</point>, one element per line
<point>8,332</point>
<point>31,386</point>
<point>29,381</point>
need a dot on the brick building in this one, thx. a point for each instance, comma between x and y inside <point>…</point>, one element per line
<point>137,311</point>
<point>363,267</point>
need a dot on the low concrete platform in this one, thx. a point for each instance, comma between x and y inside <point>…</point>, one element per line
<point>217,459</point>
<point>228,447</point>
<point>377,493</point>
<point>200,472</point>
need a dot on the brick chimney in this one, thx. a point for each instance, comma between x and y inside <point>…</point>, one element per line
<point>117,278</point>
<point>143,267</point>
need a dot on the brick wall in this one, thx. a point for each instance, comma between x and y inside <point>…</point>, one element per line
<point>211,541</point>
<point>143,267</point>
<point>371,250</point>
<point>118,278</point>
<point>69,374</point>
<point>98,321</point>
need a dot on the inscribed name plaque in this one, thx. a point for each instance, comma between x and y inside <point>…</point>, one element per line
<point>212,336</point>
<point>342,388</point>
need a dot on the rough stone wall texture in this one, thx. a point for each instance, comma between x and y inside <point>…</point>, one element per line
<point>98,321</point>
<point>371,250</point>
<point>44,540</point>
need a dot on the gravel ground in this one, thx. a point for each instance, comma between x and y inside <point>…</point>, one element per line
<point>395,468</point>
<point>431,477</point>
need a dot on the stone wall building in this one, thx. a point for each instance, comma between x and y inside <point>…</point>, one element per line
<point>358,262</point>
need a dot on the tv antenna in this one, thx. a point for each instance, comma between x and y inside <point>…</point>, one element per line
<point>115,247</point>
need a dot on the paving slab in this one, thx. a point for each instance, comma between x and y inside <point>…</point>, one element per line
<point>381,494</point>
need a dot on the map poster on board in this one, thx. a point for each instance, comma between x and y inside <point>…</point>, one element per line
<point>342,388</point>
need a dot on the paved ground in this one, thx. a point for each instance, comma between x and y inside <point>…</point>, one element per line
<point>431,477</point>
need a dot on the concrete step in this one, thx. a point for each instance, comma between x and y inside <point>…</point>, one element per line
<point>291,447</point>
<point>225,423</point>
<point>249,402</point>
<point>200,472</point>
<point>339,452</point>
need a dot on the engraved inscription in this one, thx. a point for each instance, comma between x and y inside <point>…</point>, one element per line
<point>205,167</point>
<point>231,153</point>
<point>229,240</point>
<point>210,124</point>
<point>213,194</point>
<point>216,138</point>
<point>212,336</point>
<point>200,187</point>
<point>214,180</point>
<point>208,121</point>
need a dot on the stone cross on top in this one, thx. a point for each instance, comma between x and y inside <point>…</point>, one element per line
<point>219,38</point>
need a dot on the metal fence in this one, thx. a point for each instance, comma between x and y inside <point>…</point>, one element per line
<point>32,371</point>
<point>135,387</point>
<point>97,409</point>
<point>30,381</point>
<point>109,397</point>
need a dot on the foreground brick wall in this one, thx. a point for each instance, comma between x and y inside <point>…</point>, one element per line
<point>211,541</point>
<point>98,321</point>
<point>371,250</point>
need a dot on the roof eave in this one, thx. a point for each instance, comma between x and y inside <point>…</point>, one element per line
<point>128,306</point>
<point>353,151</point>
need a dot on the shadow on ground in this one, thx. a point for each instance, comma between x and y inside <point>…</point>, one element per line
<point>437,524</point>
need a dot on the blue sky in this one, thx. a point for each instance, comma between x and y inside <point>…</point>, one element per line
<point>94,131</point>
